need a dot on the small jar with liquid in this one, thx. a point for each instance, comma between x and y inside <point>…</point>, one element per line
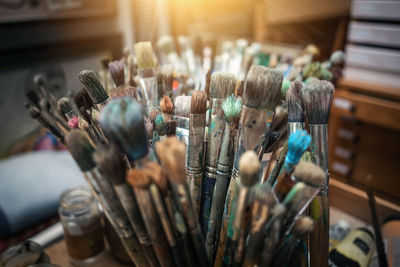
<point>81,220</point>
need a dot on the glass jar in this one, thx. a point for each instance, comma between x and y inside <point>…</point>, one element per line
<point>24,254</point>
<point>81,220</point>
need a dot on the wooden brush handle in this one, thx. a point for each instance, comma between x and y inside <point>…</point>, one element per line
<point>319,237</point>
<point>206,198</point>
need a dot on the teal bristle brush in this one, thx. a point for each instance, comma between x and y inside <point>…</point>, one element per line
<point>297,144</point>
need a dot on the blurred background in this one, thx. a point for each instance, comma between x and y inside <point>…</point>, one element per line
<point>62,37</point>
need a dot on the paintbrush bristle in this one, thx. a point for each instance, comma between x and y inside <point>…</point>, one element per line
<point>82,99</point>
<point>93,86</point>
<point>156,175</point>
<point>64,104</point>
<point>149,127</point>
<point>249,167</point>
<point>208,81</point>
<point>170,128</point>
<point>222,84</point>
<point>166,44</point>
<point>166,105</point>
<point>80,149</point>
<point>262,89</point>
<point>83,124</point>
<point>122,120</point>
<point>294,103</point>
<point>117,71</point>
<point>153,114</point>
<point>167,72</point>
<point>264,193</point>
<point>239,89</point>
<point>278,210</point>
<point>172,155</point>
<point>317,99</point>
<point>182,106</point>
<point>124,91</point>
<point>198,102</point>
<point>232,108</point>
<point>144,55</point>
<point>160,124</point>
<point>297,144</point>
<point>303,226</point>
<point>137,178</point>
<point>111,163</point>
<point>309,173</point>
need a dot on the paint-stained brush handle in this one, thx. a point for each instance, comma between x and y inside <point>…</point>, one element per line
<point>319,237</point>
<point>208,185</point>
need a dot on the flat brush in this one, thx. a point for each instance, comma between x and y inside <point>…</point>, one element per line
<point>94,88</point>
<point>295,107</point>
<point>152,169</point>
<point>117,71</point>
<point>317,99</point>
<point>171,154</point>
<point>167,72</point>
<point>124,91</point>
<point>140,183</point>
<point>147,79</point>
<point>260,213</point>
<point>112,164</point>
<point>222,85</point>
<point>82,151</point>
<point>194,163</point>
<point>249,167</point>
<point>232,108</point>
<point>297,144</point>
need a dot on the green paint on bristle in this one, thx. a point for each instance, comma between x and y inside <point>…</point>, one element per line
<point>306,156</point>
<point>285,88</point>
<point>326,74</point>
<point>313,69</point>
<point>160,125</point>
<point>232,107</point>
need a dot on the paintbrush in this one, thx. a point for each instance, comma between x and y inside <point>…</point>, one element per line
<point>232,108</point>
<point>295,107</point>
<point>124,91</point>
<point>112,164</point>
<point>166,107</point>
<point>82,99</point>
<point>167,72</point>
<point>94,88</point>
<point>160,127</point>
<point>297,144</point>
<point>84,126</point>
<point>195,149</point>
<point>171,154</point>
<point>82,151</point>
<point>264,201</point>
<point>147,79</point>
<point>152,169</point>
<point>248,57</point>
<point>272,233</point>
<point>222,85</point>
<point>140,182</point>
<point>170,128</point>
<point>40,82</point>
<point>117,71</point>
<point>260,97</point>
<point>188,56</point>
<point>65,105</point>
<point>104,73</point>
<point>166,47</point>
<point>47,108</point>
<point>182,106</point>
<point>131,71</point>
<point>303,226</point>
<point>317,100</point>
<point>249,167</point>
<point>380,247</point>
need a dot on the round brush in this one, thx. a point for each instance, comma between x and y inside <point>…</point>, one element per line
<point>117,71</point>
<point>94,88</point>
<point>295,107</point>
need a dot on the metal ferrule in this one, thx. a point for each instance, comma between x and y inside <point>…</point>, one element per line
<point>181,122</point>
<point>252,126</point>
<point>319,150</point>
<point>103,104</point>
<point>148,82</point>
<point>197,123</point>
<point>215,135</point>
<point>295,126</point>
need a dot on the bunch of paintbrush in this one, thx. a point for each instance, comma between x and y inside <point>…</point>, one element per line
<point>182,107</point>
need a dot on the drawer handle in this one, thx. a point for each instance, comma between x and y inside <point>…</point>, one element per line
<point>341,168</point>
<point>343,152</point>
<point>346,134</point>
<point>343,104</point>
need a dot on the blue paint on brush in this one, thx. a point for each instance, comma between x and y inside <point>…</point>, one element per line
<point>122,120</point>
<point>207,191</point>
<point>297,144</point>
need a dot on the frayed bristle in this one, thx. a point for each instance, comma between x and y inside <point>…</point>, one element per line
<point>166,105</point>
<point>303,226</point>
<point>239,89</point>
<point>83,99</point>
<point>111,163</point>
<point>222,84</point>
<point>297,144</point>
<point>153,114</point>
<point>208,81</point>
<point>144,55</point>
<point>232,108</point>
<point>93,86</point>
<point>172,155</point>
<point>160,125</point>
<point>249,167</point>
<point>170,128</point>
<point>156,175</point>
<point>122,120</point>
<point>124,91</point>
<point>138,178</point>
<point>309,173</point>
<point>182,106</point>
<point>80,149</point>
<point>262,89</point>
<point>294,103</point>
<point>117,71</point>
<point>198,102</point>
<point>64,104</point>
<point>166,44</point>
<point>317,99</point>
<point>167,72</point>
<point>149,127</point>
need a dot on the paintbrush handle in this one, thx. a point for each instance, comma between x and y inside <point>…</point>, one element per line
<point>278,166</point>
<point>319,237</point>
<point>207,186</point>
<point>135,253</point>
<point>195,179</point>
<point>149,85</point>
